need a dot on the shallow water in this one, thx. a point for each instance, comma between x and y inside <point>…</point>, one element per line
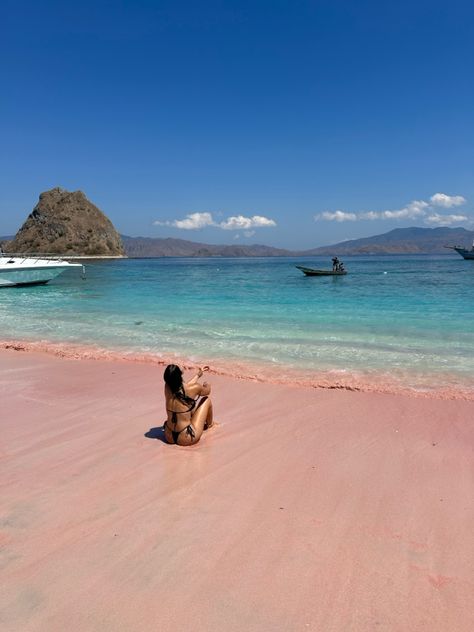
<point>402,318</point>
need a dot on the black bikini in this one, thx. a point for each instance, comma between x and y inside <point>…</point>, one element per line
<point>174,420</point>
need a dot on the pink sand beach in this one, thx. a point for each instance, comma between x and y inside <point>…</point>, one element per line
<point>304,509</point>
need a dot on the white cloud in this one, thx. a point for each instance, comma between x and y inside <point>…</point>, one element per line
<point>445,220</point>
<point>195,221</point>
<point>249,233</point>
<point>413,210</point>
<point>410,211</point>
<point>336,216</point>
<point>369,215</point>
<point>239,222</point>
<point>447,201</point>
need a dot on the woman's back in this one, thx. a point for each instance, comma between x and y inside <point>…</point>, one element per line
<point>179,411</point>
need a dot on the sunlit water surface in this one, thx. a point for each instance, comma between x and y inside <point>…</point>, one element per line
<point>403,318</point>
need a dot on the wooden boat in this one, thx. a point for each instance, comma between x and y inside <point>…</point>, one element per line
<point>466,253</point>
<point>313,272</point>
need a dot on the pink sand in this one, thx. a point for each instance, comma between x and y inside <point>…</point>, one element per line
<point>306,509</point>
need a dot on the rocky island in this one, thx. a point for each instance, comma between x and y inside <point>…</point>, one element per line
<point>67,223</point>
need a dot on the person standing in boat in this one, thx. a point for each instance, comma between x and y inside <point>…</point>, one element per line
<point>335,264</point>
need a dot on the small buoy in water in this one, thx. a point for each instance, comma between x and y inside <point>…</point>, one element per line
<point>385,273</point>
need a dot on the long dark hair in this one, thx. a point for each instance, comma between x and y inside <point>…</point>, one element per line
<point>173,377</point>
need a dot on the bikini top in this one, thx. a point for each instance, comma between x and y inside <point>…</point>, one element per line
<point>174,418</point>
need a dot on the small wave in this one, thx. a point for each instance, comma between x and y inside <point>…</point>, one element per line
<point>434,387</point>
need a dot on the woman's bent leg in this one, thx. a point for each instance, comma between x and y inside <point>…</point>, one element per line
<point>201,418</point>
<point>210,417</point>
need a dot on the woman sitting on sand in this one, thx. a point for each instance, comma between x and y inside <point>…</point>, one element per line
<point>187,419</point>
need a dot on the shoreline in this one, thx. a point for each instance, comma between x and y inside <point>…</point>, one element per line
<point>302,509</point>
<point>281,375</point>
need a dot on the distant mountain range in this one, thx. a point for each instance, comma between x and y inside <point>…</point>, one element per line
<point>159,247</point>
<point>398,241</point>
<point>401,241</point>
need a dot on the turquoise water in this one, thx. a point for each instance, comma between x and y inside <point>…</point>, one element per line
<point>408,318</point>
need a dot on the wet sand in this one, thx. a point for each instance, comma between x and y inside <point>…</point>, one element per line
<point>305,509</point>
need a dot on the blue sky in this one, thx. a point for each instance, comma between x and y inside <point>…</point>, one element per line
<point>288,123</point>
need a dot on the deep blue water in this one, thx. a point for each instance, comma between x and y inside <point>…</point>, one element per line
<point>399,315</point>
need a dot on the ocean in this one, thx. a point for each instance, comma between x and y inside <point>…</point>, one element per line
<point>393,323</point>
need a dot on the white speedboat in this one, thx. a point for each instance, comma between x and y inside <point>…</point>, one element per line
<point>31,270</point>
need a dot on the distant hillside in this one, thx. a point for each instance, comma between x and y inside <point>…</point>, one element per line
<point>159,247</point>
<point>400,241</point>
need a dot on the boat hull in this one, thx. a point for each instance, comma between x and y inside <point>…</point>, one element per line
<point>37,276</point>
<point>31,271</point>
<point>466,254</point>
<point>313,272</point>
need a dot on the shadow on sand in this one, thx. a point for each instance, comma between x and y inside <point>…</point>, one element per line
<point>156,433</point>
